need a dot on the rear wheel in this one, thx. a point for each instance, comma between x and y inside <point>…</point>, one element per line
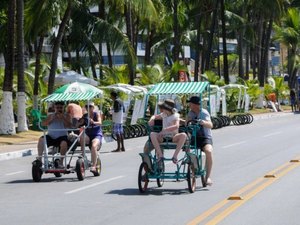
<point>80,169</point>
<point>143,179</point>
<point>191,178</point>
<point>36,171</point>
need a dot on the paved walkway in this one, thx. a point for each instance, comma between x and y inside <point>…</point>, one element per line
<point>29,148</point>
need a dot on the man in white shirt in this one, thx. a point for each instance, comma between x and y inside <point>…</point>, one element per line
<point>117,118</point>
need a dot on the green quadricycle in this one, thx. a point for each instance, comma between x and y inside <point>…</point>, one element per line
<point>190,165</point>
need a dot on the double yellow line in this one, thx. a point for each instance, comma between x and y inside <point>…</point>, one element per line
<point>226,206</point>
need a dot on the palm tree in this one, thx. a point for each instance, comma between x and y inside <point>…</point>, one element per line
<point>21,97</point>
<point>41,17</point>
<point>57,43</point>
<point>7,125</point>
<point>288,33</point>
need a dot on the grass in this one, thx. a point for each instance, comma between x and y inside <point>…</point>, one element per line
<point>22,137</point>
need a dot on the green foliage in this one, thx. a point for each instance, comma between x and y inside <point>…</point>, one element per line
<point>213,78</point>
<point>232,63</point>
<point>150,75</point>
<point>254,91</point>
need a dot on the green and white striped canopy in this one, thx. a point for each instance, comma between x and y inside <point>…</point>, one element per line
<point>74,92</point>
<point>179,88</point>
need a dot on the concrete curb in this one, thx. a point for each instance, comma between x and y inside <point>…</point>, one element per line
<point>17,154</point>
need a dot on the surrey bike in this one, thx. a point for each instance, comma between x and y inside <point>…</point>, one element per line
<point>190,165</point>
<point>51,155</point>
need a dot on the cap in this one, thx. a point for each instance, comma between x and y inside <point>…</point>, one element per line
<point>194,100</point>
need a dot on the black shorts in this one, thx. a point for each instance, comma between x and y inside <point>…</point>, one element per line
<point>56,141</point>
<point>201,142</point>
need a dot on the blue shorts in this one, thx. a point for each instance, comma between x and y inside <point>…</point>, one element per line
<point>117,128</point>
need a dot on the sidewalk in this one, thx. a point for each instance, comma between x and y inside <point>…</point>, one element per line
<point>30,148</point>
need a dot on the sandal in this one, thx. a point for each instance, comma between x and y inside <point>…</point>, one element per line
<point>174,160</point>
<point>93,169</point>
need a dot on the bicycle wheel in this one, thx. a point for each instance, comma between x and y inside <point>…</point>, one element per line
<point>191,178</point>
<point>143,179</point>
<point>80,169</point>
<point>36,171</point>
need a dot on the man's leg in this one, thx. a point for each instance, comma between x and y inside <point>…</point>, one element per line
<point>118,142</point>
<point>122,142</point>
<point>63,149</point>
<point>40,147</point>
<point>208,162</point>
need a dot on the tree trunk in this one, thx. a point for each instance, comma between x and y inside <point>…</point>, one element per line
<point>100,57</point>
<point>109,56</point>
<point>225,59</point>
<point>176,39</point>
<point>197,56</point>
<point>240,53</point>
<point>38,53</point>
<point>56,46</point>
<point>149,43</point>
<point>211,35</point>
<point>129,27</point>
<point>21,96</point>
<point>7,124</point>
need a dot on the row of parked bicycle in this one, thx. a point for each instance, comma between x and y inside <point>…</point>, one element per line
<point>139,130</point>
<point>238,119</point>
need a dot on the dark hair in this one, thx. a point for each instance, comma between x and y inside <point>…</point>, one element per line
<point>114,94</point>
<point>59,103</point>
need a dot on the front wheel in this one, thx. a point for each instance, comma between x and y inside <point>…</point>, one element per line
<point>37,171</point>
<point>80,169</point>
<point>191,178</point>
<point>143,179</point>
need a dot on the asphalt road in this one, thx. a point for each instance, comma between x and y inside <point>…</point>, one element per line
<point>243,156</point>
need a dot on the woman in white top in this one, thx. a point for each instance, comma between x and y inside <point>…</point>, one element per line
<point>169,130</point>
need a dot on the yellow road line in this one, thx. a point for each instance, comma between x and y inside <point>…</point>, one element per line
<point>231,208</point>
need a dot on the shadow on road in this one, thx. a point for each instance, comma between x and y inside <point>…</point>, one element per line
<point>153,191</point>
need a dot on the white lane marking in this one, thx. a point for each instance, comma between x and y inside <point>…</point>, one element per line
<point>9,174</point>
<point>272,134</point>
<point>93,185</point>
<point>234,144</point>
